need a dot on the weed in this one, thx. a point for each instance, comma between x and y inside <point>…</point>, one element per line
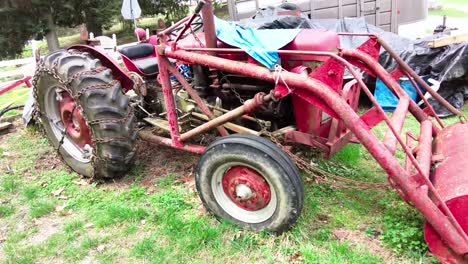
<point>6,210</point>
<point>30,192</point>
<point>108,214</point>
<point>402,230</point>
<point>8,183</point>
<point>73,226</point>
<point>40,208</point>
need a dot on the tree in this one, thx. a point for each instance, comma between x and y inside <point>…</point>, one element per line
<point>173,10</point>
<point>99,14</point>
<point>16,27</point>
<point>24,19</point>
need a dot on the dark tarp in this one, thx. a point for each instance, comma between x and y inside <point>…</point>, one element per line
<point>448,64</point>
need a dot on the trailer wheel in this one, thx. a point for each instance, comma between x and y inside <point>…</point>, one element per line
<point>85,115</point>
<point>251,182</point>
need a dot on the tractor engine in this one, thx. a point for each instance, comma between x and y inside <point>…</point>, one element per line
<point>226,91</point>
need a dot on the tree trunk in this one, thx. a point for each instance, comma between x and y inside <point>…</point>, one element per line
<point>51,35</point>
<point>92,25</point>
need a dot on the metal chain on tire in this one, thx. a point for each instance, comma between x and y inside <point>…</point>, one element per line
<point>42,69</point>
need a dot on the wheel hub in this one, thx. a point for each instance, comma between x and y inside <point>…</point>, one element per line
<point>73,122</point>
<point>246,188</point>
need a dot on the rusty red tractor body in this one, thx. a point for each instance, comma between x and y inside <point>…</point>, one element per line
<point>248,179</point>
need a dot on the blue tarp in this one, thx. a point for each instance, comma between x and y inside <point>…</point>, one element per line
<point>388,100</point>
<point>260,44</point>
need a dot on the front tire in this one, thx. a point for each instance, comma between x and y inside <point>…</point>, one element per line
<point>251,182</point>
<point>85,115</point>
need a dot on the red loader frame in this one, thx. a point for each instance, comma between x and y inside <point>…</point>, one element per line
<point>440,194</point>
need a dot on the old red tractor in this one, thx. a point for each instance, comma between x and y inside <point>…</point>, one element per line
<point>185,83</point>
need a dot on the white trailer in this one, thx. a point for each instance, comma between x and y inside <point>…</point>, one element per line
<point>386,14</point>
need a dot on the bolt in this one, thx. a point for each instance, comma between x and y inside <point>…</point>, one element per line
<point>58,96</point>
<point>331,73</point>
<point>87,151</point>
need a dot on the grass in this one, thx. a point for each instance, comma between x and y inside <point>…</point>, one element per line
<point>162,223</point>
<point>460,2</point>
<point>449,8</point>
<point>450,12</point>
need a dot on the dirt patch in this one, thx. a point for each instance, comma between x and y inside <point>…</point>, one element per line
<point>371,243</point>
<point>47,227</point>
<point>48,161</point>
<point>160,160</point>
<point>17,123</point>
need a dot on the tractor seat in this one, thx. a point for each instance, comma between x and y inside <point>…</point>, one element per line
<point>142,55</point>
<point>148,65</point>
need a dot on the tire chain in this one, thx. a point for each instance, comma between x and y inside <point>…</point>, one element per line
<point>42,69</point>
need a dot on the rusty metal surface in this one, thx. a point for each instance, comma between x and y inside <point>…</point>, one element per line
<point>247,107</point>
<point>209,24</point>
<point>398,119</point>
<point>450,179</point>
<point>445,226</point>
<point>418,79</point>
<point>147,135</point>
<point>321,87</point>
<point>193,94</point>
<point>169,103</point>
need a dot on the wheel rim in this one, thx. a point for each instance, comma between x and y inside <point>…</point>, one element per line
<point>243,192</point>
<point>64,116</point>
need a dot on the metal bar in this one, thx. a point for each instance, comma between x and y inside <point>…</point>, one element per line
<point>247,107</point>
<point>444,223</point>
<point>187,25</point>
<point>246,117</point>
<point>409,139</point>
<point>169,102</point>
<point>426,102</point>
<point>235,50</point>
<point>391,83</point>
<point>15,84</point>
<point>147,135</point>
<point>424,154</point>
<point>234,127</point>
<point>203,107</point>
<point>398,119</point>
<point>418,79</point>
<point>209,25</point>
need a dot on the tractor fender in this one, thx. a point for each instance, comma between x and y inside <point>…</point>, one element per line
<point>117,71</point>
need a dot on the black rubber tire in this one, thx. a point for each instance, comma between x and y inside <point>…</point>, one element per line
<point>114,154</point>
<point>289,6</point>
<point>263,155</point>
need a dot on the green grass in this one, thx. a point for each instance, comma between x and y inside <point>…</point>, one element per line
<point>449,8</point>
<point>129,223</point>
<point>461,2</point>
<point>17,96</point>
<point>450,12</point>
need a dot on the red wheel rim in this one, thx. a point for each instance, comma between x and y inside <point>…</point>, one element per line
<point>73,122</point>
<point>246,188</point>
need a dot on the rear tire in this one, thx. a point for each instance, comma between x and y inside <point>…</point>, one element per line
<point>251,182</point>
<point>99,106</point>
